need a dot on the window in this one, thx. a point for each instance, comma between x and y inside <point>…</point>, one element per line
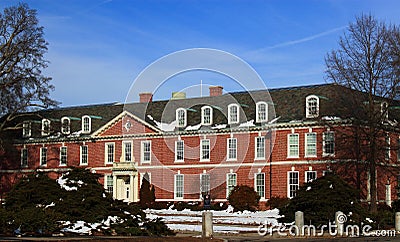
<point>205,150</point>
<point>179,150</point>
<point>311,176</point>
<point>311,145</point>
<point>204,184</point>
<point>65,125</point>
<point>260,184</point>
<point>293,183</point>
<point>109,183</point>
<point>260,148</point>
<point>232,149</point>
<point>261,112</point>
<point>206,115</point>
<point>384,110</point>
<point>63,156</point>
<point>329,143</point>
<point>24,157</point>
<point>387,147</point>
<point>109,154</point>
<point>84,154</point>
<point>86,124</point>
<point>398,149</point>
<point>233,113</point>
<point>146,151</point>
<point>293,145</point>
<point>127,149</point>
<point>178,191</point>
<point>312,106</point>
<point>43,156</point>
<point>230,183</point>
<point>45,127</point>
<point>26,129</point>
<point>181,117</point>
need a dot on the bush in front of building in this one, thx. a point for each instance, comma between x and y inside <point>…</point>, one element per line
<point>320,199</point>
<point>277,202</point>
<point>147,195</point>
<point>244,198</point>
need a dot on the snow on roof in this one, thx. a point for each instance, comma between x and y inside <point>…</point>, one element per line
<point>247,124</point>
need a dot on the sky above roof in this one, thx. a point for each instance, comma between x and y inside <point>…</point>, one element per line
<point>98,48</point>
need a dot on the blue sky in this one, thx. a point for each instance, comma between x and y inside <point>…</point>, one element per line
<point>97,48</point>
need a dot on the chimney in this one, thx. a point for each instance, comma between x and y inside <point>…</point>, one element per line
<point>146,97</point>
<point>215,91</point>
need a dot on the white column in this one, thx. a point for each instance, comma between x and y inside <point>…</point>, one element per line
<point>388,199</point>
<point>114,186</point>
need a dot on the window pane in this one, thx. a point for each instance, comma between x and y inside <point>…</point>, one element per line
<point>233,114</point>
<point>260,184</point>
<point>179,186</point>
<point>205,149</point>
<point>232,148</point>
<point>260,147</point>
<point>204,184</point>
<point>84,154</point>
<point>179,150</point>
<point>293,145</point>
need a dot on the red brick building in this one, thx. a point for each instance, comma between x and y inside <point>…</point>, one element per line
<point>207,145</point>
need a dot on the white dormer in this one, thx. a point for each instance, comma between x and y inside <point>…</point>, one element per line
<point>233,113</point>
<point>86,124</point>
<point>385,110</point>
<point>26,129</point>
<point>261,112</point>
<point>45,127</point>
<point>312,106</point>
<point>206,115</point>
<point>180,117</point>
<point>65,125</point>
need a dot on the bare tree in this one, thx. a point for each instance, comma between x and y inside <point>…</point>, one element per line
<point>365,62</point>
<point>23,86</point>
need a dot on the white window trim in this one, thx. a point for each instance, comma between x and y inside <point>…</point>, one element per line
<point>62,126</point>
<point>255,183</point>
<point>385,113</point>
<point>227,182</point>
<point>308,115</point>
<point>255,148</point>
<point>124,149</point>
<point>201,182</point>
<point>106,152</point>
<point>298,146</point>
<point>227,149</point>
<point>22,157</point>
<point>288,184</point>
<point>305,175</point>
<point>40,157</point>
<point>183,187</point>
<point>201,150</point>
<point>45,132</point>
<point>66,155</point>
<point>80,155</point>
<point>230,114</point>
<point>387,146</point>
<point>26,126</point>
<point>83,124</point>
<point>306,144</point>
<point>257,112</point>
<point>184,117</point>
<point>142,152</point>
<point>202,115</point>
<point>323,144</point>
<point>176,151</point>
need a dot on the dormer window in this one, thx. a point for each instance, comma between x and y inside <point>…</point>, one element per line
<point>65,125</point>
<point>206,115</point>
<point>45,127</point>
<point>384,110</point>
<point>312,106</point>
<point>261,112</point>
<point>86,124</point>
<point>180,117</point>
<point>26,129</point>
<point>233,113</point>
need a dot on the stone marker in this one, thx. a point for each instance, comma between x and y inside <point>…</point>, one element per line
<point>207,224</point>
<point>340,219</point>
<point>299,221</point>
<point>397,221</point>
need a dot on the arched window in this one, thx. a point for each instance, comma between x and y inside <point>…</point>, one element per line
<point>180,117</point>
<point>233,113</point>
<point>86,124</point>
<point>312,106</point>
<point>206,115</point>
<point>261,112</point>
<point>45,127</point>
<point>65,125</point>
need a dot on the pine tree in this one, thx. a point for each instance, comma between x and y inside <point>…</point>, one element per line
<point>146,193</point>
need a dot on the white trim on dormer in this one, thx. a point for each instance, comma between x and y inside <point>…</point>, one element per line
<point>45,131</point>
<point>67,129</point>
<point>310,105</point>
<point>177,117</point>
<point>86,127</point>
<point>264,116</point>
<point>203,117</point>
<point>231,116</point>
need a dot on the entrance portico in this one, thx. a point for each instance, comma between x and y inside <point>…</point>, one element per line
<point>125,181</point>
